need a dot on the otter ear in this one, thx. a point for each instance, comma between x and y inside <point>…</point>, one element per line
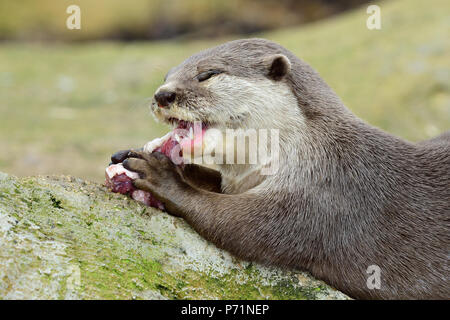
<point>278,66</point>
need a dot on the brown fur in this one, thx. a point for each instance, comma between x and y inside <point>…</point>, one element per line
<point>347,195</point>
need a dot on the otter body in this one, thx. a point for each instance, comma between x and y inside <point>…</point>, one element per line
<point>346,195</point>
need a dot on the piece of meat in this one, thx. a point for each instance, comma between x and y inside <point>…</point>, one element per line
<point>120,180</point>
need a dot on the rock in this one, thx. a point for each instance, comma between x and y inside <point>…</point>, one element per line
<point>65,238</point>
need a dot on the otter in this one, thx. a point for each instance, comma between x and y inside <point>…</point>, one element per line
<point>345,198</point>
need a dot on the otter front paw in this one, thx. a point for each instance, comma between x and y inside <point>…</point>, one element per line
<point>121,155</point>
<point>158,175</point>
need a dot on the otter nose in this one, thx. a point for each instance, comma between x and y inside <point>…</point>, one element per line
<point>164,98</point>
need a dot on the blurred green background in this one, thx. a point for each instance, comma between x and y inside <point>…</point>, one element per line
<point>69,98</point>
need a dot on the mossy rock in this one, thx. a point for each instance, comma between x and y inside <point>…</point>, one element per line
<point>65,238</point>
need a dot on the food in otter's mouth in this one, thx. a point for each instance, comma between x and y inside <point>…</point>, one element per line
<point>184,137</point>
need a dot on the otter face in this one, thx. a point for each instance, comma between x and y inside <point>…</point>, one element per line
<point>239,84</point>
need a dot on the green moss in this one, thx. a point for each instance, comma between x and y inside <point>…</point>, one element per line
<point>74,239</point>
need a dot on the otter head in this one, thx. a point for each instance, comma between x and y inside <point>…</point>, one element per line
<point>240,84</point>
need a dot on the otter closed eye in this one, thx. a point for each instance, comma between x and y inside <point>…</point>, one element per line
<point>207,74</point>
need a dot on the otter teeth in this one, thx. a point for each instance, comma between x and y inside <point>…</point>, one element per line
<point>191,133</point>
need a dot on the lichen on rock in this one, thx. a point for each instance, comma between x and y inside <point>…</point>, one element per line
<point>65,238</point>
